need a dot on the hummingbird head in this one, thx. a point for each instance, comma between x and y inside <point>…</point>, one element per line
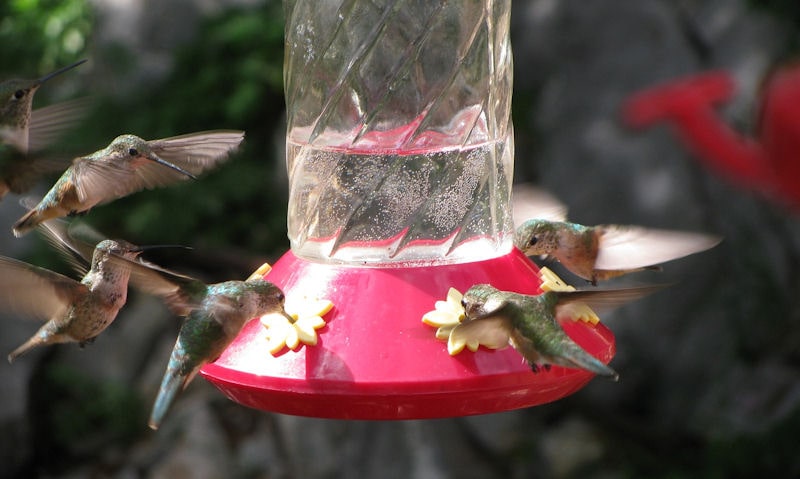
<point>120,248</point>
<point>16,101</point>
<point>537,237</point>
<point>134,149</point>
<point>268,298</point>
<point>482,300</point>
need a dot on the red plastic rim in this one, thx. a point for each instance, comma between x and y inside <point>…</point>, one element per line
<point>375,359</point>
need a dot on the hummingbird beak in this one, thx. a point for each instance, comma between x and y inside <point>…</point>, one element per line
<point>59,72</point>
<point>158,160</point>
<point>141,249</point>
<point>287,316</point>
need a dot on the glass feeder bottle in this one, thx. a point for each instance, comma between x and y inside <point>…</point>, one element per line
<point>399,138</point>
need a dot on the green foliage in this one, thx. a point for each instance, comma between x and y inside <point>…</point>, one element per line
<point>230,77</point>
<point>37,36</point>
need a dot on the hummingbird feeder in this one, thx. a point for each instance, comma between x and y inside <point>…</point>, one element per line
<point>400,160</point>
<point>766,163</point>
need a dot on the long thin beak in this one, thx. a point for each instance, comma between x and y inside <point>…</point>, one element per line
<point>287,316</point>
<point>141,249</point>
<point>60,71</point>
<point>170,165</point>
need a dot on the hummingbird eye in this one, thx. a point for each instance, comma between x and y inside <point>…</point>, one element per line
<point>133,152</point>
<point>533,241</point>
<point>19,94</point>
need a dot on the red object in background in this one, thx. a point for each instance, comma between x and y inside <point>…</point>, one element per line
<point>769,163</point>
<point>375,359</point>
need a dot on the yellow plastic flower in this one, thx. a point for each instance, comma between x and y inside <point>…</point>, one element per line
<point>260,272</point>
<point>447,316</point>
<point>575,311</point>
<point>307,314</point>
<point>551,281</point>
<point>457,342</point>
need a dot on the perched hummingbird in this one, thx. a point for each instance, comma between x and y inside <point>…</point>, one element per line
<point>606,251</point>
<point>530,324</point>
<point>75,311</point>
<point>16,113</point>
<point>127,165</point>
<point>214,316</point>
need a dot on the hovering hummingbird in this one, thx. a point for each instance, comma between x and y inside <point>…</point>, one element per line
<point>214,315</point>
<point>24,131</point>
<point>16,112</point>
<point>76,311</point>
<point>127,165</point>
<point>607,251</point>
<point>530,323</point>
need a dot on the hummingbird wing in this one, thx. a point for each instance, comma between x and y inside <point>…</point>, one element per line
<point>193,153</point>
<point>36,292</point>
<point>182,294</point>
<point>630,247</point>
<point>604,299</point>
<point>198,152</point>
<point>49,123</point>
<point>21,171</point>
<point>77,253</point>
<point>528,202</point>
<point>104,181</point>
<point>493,332</point>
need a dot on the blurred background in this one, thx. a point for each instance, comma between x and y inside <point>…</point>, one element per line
<point>710,369</point>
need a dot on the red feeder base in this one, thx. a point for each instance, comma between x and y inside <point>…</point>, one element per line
<point>375,359</point>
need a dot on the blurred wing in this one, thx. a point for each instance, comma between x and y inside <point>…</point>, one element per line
<point>628,247</point>
<point>198,152</point>
<point>223,307</point>
<point>529,202</point>
<point>49,123</point>
<point>21,171</point>
<point>492,332</point>
<point>181,293</point>
<point>36,292</point>
<point>104,181</point>
<point>605,299</point>
<point>78,253</point>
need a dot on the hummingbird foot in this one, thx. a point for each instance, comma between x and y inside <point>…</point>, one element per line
<point>537,368</point>
<point>76,213</point>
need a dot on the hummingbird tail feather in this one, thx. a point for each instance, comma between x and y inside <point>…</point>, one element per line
<point>24,348</point>
<point>171,385</point>
<point>26,223</point>
<point>579,358</point>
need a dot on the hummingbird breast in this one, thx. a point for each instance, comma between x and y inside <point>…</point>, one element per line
<point>578,252</point>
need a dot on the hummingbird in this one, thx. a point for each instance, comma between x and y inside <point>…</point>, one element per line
<point>530,323</point>
<point>607,251</point>
<point>24,131</point>
<point>16,108</point>
<point>76,311</point>
<point>129,164</point>
<point>214,316</point>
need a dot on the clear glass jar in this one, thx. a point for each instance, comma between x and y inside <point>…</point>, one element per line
<point>399,139</point>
